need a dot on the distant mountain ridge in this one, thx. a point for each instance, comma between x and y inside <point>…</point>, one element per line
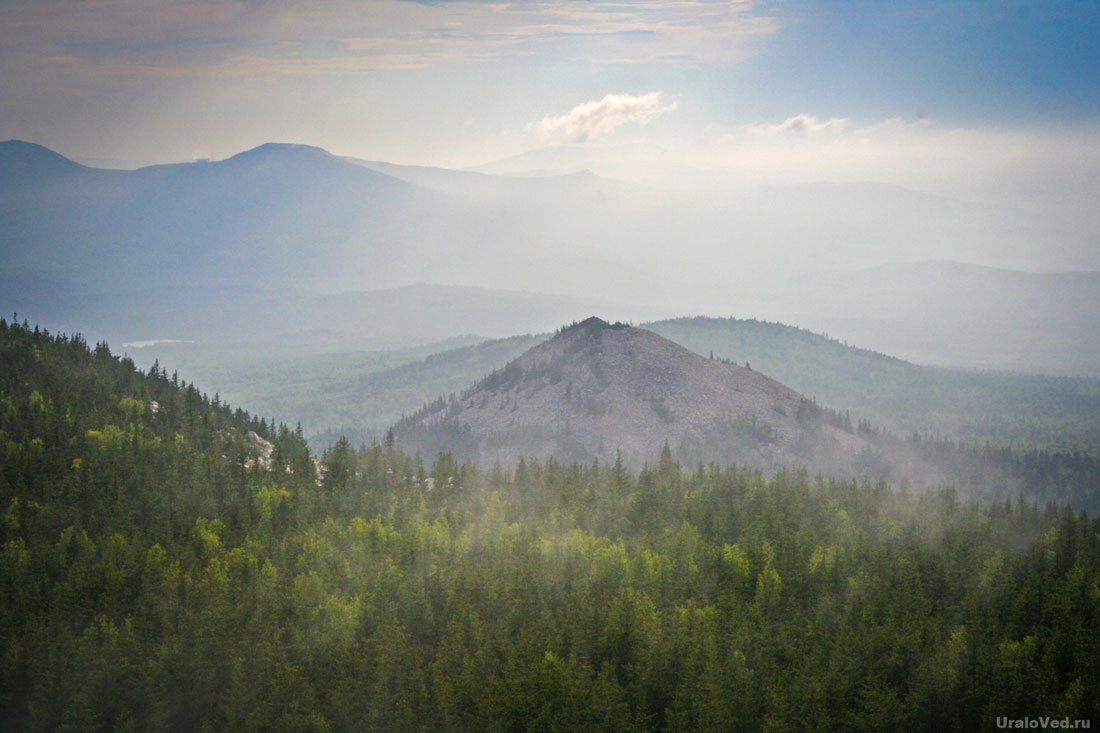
<point>269,216</point>
<point>221,246</point>
<point>273,242</point>
<point>22,160</point>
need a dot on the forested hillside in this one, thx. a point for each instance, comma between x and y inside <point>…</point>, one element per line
<point>170,563</point>
<point>358,394</point>
<point>1020,410</point>
<point>355,394</point>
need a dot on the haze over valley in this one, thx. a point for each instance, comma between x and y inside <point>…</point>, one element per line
<point>541,365</point>
<point>288,242</point>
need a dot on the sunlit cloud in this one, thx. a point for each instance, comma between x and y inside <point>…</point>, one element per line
<point>597,119</point>
<point>803,124</point>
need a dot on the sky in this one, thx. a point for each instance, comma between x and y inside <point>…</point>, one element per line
<point>914,93</point>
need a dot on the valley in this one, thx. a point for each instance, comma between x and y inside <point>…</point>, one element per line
<point>361,394</point>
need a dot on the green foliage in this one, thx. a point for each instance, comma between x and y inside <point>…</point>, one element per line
<point>1008,410</point>
<point>357,394</point>
<point>162,570</point>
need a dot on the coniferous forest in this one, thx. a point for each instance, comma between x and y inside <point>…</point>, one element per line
<point>172,563</point>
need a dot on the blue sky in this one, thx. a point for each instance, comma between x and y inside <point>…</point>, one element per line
<point>970,62</point>
<point>463,81</point>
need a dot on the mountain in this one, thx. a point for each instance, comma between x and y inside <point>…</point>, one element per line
<point>274,218</point>
<point>269,217</point>
<point>240,247</point>
<point>27,163</point>
<point>277,243</point>
<point>534,190</point>
<point>595,388</point>
<point>615,392</point>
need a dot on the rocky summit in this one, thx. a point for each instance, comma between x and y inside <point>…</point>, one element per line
<point>596,389</point>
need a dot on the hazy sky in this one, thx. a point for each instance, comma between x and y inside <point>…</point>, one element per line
<point>834,89</point>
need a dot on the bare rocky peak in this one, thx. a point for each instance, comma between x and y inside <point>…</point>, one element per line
<point>596,387</point>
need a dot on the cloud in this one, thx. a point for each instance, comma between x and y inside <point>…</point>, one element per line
<point>808,126</point>
<point>803,125</point>
<point>130,38</point>
<point>597,119</point>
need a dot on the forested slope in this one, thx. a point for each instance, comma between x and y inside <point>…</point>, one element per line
<point>164,568</point>
<point>1007,409</point>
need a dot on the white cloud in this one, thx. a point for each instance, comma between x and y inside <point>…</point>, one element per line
<point>803,124</point>
<point>597,119</point>
<point>807,126</point>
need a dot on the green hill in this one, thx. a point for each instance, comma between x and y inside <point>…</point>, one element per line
<point>1023,410</point>
<point>359,394</point>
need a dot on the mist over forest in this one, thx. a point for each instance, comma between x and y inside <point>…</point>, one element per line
<point>549,366</point>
